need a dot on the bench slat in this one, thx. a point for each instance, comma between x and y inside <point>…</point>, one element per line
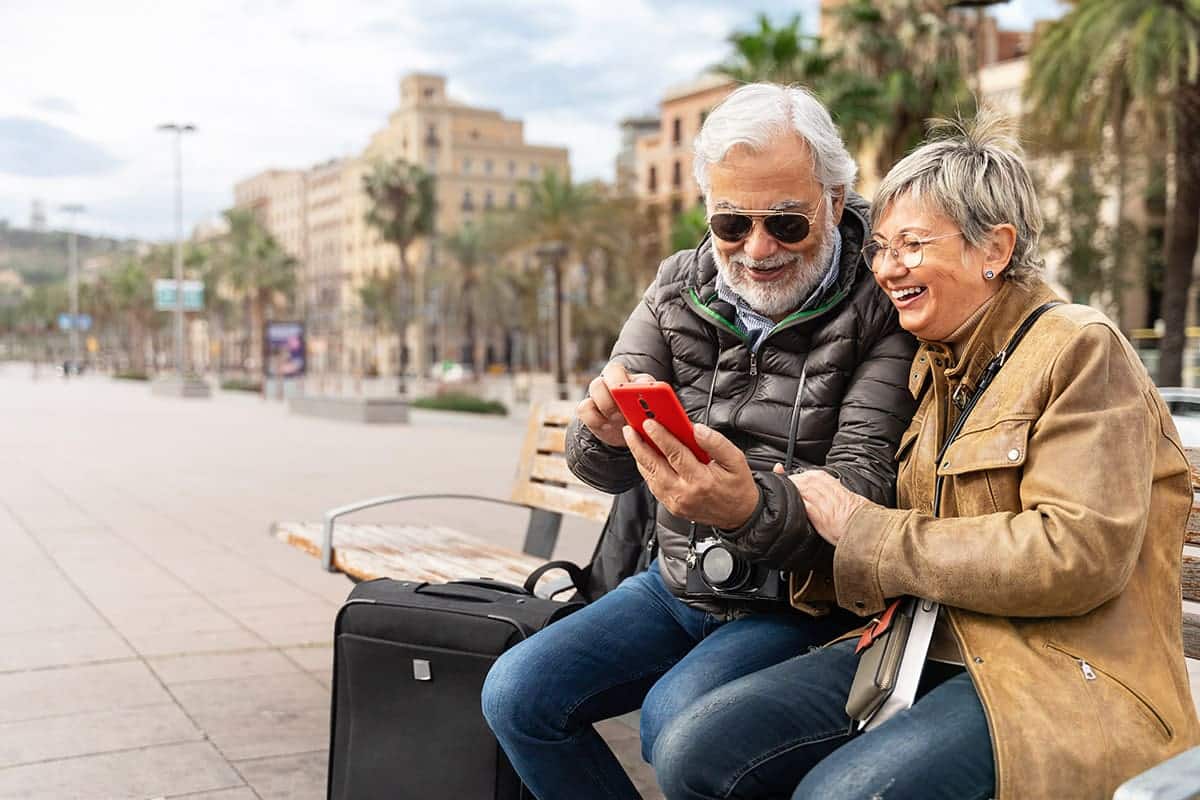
<point>552,440</point>
<point>411,552</point>
<point>554,468</point>
<point>591,504</point>
<point>1191,629</point>
<point>1190,573</point>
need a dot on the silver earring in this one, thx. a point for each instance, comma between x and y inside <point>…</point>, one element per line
<point>989,275</point>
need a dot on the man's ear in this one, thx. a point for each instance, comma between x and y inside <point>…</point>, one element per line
<point>837,203</point>
<point>997,253</point>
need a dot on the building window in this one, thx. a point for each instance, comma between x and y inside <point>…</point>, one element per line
<point>468,203</point>
<point>677,174</point>
<point>474,134</point>
<point>652,183</point>
<point>677,131</point>
<point>487,167</point>
<point>512,168</point>
<point>676,207</point>
<point>466,165</point>
<point>429,93</point>
<point>512,199</point>
<point>488,201</point>
<point>533,170</point>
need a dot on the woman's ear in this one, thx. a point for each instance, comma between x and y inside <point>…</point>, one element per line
<point>997,253</point>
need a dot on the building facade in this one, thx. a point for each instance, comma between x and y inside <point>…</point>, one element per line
<point>480,161</point>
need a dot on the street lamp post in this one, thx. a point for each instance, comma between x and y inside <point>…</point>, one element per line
<point>72,210</point>
<point>183,385</point>
<point>178,130</point>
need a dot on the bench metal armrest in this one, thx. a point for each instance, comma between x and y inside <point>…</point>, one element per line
<point>332,515</point>
<point>1176,778</point>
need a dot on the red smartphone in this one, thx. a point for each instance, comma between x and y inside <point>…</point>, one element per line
<point>657,401</point>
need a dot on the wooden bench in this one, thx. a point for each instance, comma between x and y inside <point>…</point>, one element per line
<point>438,553</point>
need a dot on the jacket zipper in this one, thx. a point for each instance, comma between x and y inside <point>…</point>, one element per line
<point>1089,674</point>
<point>753,364</point>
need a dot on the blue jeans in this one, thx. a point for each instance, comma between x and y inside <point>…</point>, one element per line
<point>637,646</point>
<point>761,735</point>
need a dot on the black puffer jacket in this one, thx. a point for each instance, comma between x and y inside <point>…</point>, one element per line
<point>851,355</point>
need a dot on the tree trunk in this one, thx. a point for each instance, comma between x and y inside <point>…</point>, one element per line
<point>401,318</point>
<point>1183,228</point>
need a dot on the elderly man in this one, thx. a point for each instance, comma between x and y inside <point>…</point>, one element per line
<point>783,351</point>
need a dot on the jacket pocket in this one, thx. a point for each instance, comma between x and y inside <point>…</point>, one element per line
<point>1000,445</point>
<point>1107,689</point>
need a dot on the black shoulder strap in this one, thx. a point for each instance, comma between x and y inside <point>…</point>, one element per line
<point>985,380</point>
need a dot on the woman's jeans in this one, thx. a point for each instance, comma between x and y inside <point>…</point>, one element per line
<point>761,735</point>
<point>638,646</point>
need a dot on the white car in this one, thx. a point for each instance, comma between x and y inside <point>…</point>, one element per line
<point>1184,405</point>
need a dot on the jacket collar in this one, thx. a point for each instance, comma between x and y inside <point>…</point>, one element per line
<point>1009,308</point>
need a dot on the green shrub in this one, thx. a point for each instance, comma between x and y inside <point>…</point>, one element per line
<point>240,385</point>
<point>131,375</point>
<point>457,401</point>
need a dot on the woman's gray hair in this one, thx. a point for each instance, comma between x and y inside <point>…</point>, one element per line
<point>974,173</point>
<point>756,114</point>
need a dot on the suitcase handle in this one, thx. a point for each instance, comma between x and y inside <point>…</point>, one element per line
<point>489,583</point>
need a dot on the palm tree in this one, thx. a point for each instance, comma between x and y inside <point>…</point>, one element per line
<point>900,64</point>
<point>1095,64</point>
<point>780,55</point>
<point>402,210</point>
<point>258,269</point>
<point>474,250</point>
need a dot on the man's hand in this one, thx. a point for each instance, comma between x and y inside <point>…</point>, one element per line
<point>829,504</point>
<point>599,411</point>
<point>721,493</point>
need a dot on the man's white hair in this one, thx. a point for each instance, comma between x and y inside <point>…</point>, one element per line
<point>756,114</point>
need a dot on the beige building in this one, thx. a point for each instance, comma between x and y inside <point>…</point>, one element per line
<point>664,179</point>
<point>480,161</point>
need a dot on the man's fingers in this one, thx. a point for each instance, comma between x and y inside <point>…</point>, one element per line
<point>598,393</point>
<point>650,463</point>
<point>778,469</point>
<point>614,374</point>
<point>642,377</point>
<point>681,459</point>
<point>724,452</point>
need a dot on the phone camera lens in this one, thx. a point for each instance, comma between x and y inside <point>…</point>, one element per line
<point>643,403</point>
<point>649,415</point>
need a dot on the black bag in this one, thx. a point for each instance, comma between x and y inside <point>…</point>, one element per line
<point>409,664</point>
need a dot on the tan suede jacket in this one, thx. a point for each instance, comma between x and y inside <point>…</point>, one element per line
<point>1057,551</point>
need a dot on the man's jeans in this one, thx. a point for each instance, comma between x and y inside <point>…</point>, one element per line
<point>636,646</point>
<point>761,735</point>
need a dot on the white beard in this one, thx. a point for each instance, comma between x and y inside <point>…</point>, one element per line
<point>785,294</point>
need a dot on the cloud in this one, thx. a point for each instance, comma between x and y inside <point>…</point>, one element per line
<point>57,105</point>
<point>32,148</point>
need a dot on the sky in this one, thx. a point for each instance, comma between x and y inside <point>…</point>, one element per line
<point>289,83</point>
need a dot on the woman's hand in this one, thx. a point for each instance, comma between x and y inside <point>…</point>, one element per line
<point>829,504</point>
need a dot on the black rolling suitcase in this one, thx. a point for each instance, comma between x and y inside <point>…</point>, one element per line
<point>409,664</point>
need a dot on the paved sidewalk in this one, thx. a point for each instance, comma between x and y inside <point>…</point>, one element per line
<point>156,642</point>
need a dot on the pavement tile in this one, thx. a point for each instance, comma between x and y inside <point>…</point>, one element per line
<point>58,608</point>
<point>225,794</point>
<point>179,643</point>
<point>259,716</point>
<point>268,591</point>
<point>313,633</point>
<point>313,659</point>
<point>144,773</point>
<point>71,690</point>
<point>189,613</point>
<point>93,732</point>
<point>36,649</point>
<point>213,666</point>
<point>287,777</point>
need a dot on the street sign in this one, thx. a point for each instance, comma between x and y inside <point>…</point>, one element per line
<point>82,322</point>
<point>164,295</point>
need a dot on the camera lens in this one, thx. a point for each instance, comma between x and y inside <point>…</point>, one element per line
<point>642,401</point>
<point>649,415</point>
<point>722,570</point>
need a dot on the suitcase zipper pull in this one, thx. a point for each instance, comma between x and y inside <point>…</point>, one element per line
<point>1086,668</point>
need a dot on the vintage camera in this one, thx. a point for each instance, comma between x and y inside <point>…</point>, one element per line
<point>716,571</point>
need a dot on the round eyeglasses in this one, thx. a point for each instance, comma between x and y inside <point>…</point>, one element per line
<point>907,250</point>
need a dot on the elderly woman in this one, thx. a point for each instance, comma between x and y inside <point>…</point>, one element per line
<point>1050,531</point>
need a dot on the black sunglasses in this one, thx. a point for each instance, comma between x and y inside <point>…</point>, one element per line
<point>788,227</point>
